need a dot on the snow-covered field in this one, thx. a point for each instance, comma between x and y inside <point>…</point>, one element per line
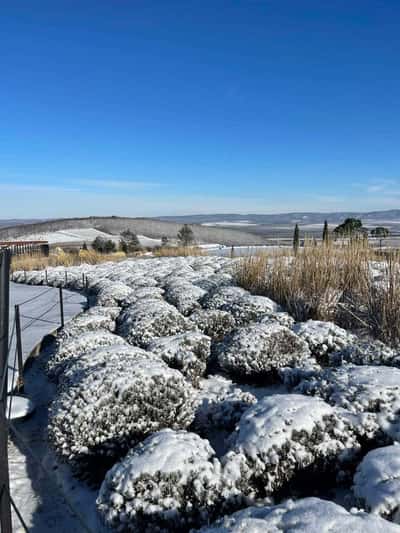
<point>81,235</point>
<point>180,402</point>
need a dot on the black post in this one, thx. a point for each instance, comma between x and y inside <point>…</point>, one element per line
<point>66,278</point>
<point>47,281</point>
<point>61,307</point>
<point>5,504</point>
<point>20,384</point>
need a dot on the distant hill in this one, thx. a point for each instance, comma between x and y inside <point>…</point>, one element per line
<point>389,216</point>
<point>152,228</point>
<point>17,221</point>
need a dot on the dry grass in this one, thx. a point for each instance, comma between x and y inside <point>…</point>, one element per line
<point>60,258</point>
<point>178,251</point>
<point>330,283</point>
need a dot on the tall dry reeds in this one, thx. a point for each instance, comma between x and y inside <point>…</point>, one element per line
<point>61,258</point>
<point>331,282</point>
<point>178,251</point>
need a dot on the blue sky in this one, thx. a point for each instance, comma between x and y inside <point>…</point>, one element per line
<point>163,107</point>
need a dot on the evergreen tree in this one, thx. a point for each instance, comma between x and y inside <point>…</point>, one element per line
<point>84,247</point>
<point>296,239</point>
<point>325,233</point>
<point>185,235</point>
<point>164,240</point>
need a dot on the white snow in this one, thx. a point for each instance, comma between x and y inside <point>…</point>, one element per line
<point>308,515</point>
<point>377,482</point>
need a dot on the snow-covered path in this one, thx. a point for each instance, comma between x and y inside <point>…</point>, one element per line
<point>38,300</point>
<point>37,499</point>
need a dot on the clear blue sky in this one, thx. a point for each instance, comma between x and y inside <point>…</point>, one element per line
<point>164,107</point>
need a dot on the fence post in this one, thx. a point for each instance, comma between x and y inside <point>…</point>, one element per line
<point>45,273</point>
<point>61,306</point>
<point>20,383</point>
<point>5,504</point>
<point>66,277</point>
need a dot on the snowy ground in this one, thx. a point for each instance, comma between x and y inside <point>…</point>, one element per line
<point>180,398</point>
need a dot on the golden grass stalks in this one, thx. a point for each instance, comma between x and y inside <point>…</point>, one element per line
<point>177,251</point>
<point>61,258</point>
<point>328,282</point>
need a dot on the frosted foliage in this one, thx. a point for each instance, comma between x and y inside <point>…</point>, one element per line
<point>170,482</point>
<point>108,412</point>
<point>259,350</point>
<point>188,352</point>
<point>283,434</point>
<point>323,337</point>
<point>74,347</point>
<point>307,515</point>
<point>142,322</point>
<point>220,404</point>
<point>213,322</point>
<point>84,323</point>
<point>183,295</point>
<point>377,482</point>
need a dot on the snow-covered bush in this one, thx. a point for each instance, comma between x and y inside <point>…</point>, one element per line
<point>361,389</point>
<point>210,283</point>
<point>281,317</point>
<point>95,422</point>
<point>142,322</point>
<point>142,293</point>
<point>323,337</point>
<point>356,388</point>
<point>74,347</point>
<point>257,351</point>
<point>86,322</point>
<point>366,353</point>
<point>243,306</point>
<point>219,405</point>
<point>188,352</point>
<point>282,435</point>
<point>307,515</point>
<point>223,297</point>
<point>377,482</point>
<point>114,294</point>
<point>101,360</point>
<point>170,482</point>
<point>213,322</point>
<point>183,295</point>
<point>111,312</point>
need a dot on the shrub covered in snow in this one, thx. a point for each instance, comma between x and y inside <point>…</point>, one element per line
<point>111,312</point>
<point>307,515</point>
<point>282,435</point>
<point>86,322</point>
<point>213,322</point>
<point>281,317</point>
<point>366,353</point>
<point>183,295</point>
<point>188,352</point>
<point>74,347</point>
<point>356,388</point>
<point>323,337</point>
<point>113,294</point>
<point>259,350</point>
<point>377,482</point>
<point>220,404</point>
<point>142,322</point>
<point>243,306</point>
<point>102,360</point>
<point>95,422</point>
<point>170,482</point>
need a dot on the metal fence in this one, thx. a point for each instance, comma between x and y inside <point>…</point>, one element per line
<point>12,380</point>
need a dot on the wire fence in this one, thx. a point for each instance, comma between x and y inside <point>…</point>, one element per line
<point>12,383</point>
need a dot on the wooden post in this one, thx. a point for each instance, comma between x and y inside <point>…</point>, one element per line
<point>5,503</point>
<point>20,382</point>
<point>47,279</point>
<point>61,307</point>
<point>66,278</point>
